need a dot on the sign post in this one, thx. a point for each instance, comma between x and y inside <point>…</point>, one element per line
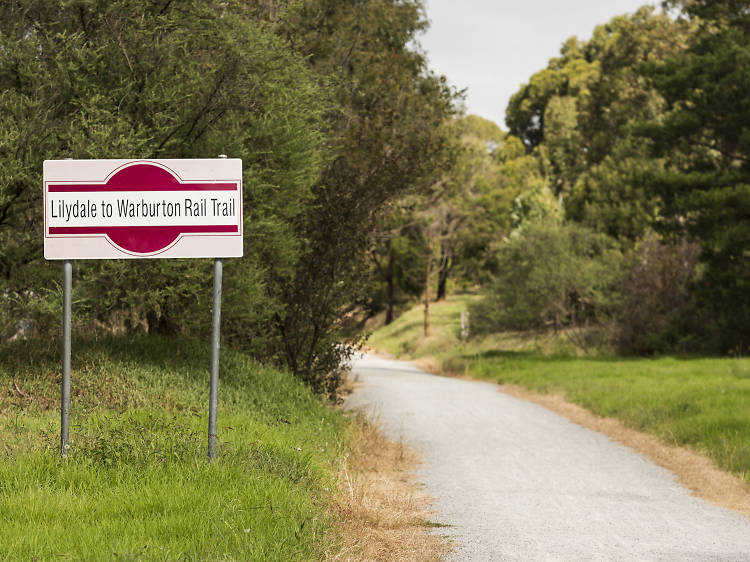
<point>131,209</point>
<point>213,399</point>
<point>66,322</point>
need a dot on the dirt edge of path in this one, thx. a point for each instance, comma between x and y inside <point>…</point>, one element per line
<point>383,512</point>
<point>697,473</point>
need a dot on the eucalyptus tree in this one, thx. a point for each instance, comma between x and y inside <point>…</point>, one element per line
<point>577,117</point>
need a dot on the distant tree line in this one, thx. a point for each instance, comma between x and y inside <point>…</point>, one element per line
<point>332,110</point>
<point>616,208</point>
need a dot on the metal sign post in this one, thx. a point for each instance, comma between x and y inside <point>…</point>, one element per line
<point>213,400</point>
<point>66,322</point>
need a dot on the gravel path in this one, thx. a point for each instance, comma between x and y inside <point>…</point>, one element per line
<point>517,482</point>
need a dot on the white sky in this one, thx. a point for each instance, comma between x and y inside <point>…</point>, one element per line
<point>492,47</point>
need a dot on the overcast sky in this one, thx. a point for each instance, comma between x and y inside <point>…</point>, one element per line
<point>492,47</point>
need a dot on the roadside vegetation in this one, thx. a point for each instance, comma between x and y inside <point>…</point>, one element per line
<point>331,109</point>
<point>138,484</point>
<point>700,402</point>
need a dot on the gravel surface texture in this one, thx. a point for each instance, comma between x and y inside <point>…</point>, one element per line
<point>514,481</point>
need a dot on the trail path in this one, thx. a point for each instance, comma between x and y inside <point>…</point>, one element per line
<point>517,482</point>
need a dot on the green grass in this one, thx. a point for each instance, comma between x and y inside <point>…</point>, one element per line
<point>700,402</point>
<point>137,484</point>
<point>405,337</point>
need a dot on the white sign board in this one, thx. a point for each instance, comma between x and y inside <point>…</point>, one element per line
<point>104,209</point>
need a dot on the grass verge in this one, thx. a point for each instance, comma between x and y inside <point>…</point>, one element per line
<point>384,513</point>
<point>702,403</point>
<point>405,337</point>
<point>137,485</point>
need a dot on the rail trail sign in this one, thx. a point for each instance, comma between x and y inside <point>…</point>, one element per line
<point>104,209</point>
<point>108,209</point>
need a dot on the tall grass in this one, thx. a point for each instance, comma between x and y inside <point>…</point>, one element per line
<point>137,484</point>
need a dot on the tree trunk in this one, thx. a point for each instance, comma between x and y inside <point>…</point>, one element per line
<point>390,290</point>
<point>443,270</point>
<point>427,291</point>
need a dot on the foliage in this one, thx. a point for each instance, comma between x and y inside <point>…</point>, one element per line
<point>329,108</point>
<point>489,174</point>
<point>613,197</point>
<point>398,255</point>
<point>550,276</point>
<point>644,126</point>
<point>705,133</point>
<point>458,220</point>
<point>579,156</point>
<point>655,302</point>
<point>386,139</point>
<point>576,116</point>
<point>126,79</point>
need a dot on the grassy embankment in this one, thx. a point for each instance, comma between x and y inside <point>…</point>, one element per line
<point>137,485</point>
<point>703,403</point>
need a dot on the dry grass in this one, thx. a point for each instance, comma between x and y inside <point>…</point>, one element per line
<point>696,472</point>
<point>383,512</point>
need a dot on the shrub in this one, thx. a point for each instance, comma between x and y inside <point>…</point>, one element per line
<point>551,276</point>
<point>655,295</point>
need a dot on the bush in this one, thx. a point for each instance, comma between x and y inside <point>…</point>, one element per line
<point>655,295</point>
<point>551,276</point>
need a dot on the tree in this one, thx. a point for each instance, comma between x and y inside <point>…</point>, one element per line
<point>132,79</point>
<point>577,117</point>
<point>470,211</point>
<point>613,196</point>
<point>706,136</point>
<point>462,216</point>
<point>551,275</point>
<point>398,256</point>
<point>655,299</point>
<point>386,139</point>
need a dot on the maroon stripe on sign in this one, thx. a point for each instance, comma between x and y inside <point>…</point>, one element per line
<point>90,187</point>
<point>107,229</point>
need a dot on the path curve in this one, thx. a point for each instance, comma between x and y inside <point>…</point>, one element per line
<point>515,481</point>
